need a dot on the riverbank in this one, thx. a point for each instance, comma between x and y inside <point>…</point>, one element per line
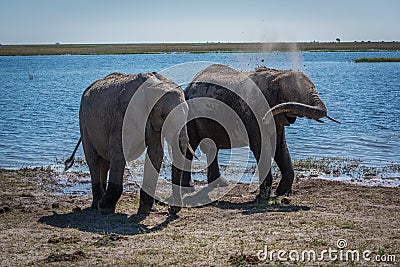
<point>41,226</point>
<point>97,49</point>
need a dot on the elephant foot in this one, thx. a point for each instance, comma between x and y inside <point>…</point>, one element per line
<point>173,210</point>
<point>98,192</point>
<point>283,190</point>
<point>105,207</point>
<point>95,204</point>
<point>106,210</point>
<point>260,198</point>
<point>264,194</point>
<point>144,210</point>
<point>146,203</point>
<point>108,202</point>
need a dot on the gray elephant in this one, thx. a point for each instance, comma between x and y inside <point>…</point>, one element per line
<point>290,94</point>
<point>120,115</point>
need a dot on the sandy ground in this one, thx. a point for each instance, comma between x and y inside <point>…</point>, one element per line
<point>41,227</point>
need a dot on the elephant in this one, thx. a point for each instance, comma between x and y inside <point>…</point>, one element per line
<point>120,115</point>
<point>290,94</point>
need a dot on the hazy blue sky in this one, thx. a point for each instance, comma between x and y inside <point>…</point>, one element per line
<point>113,21</point>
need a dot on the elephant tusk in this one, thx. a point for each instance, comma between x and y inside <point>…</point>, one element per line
<point>192,152</point>
<point>332,119</point>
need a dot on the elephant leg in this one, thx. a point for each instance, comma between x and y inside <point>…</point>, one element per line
<point>104,168</point>
<point>265,187</point>
<point>264,171</point>
<point>186,174</point>
<point>95,168</point>
<point>194,141</point>
<point>100,188</point>
<point>282,158</point>
<point>152,166</point>
<point>114,189</point>
<point>213,172</point>
<point>177,191</point>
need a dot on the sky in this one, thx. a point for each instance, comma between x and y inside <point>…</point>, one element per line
<point>155,21</point>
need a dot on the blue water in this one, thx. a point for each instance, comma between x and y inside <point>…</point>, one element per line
<point>40,98</point>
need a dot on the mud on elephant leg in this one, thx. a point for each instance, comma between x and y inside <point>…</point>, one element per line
<point>152,165</point>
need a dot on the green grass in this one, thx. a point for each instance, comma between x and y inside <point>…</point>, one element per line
<point>374,60</point>
<point>154,48</point>
<point>348,225</point>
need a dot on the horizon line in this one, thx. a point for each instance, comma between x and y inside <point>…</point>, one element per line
<point>203,42</point>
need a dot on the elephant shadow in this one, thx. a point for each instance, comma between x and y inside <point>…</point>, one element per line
<point>257,206</point>
<point>90,220</point>
<point>248,207</point>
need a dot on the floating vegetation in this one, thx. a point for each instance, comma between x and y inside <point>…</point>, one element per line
<point>342,169</point>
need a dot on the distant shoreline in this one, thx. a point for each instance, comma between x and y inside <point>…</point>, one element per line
<point>376,60</point>
<point>157,48</point>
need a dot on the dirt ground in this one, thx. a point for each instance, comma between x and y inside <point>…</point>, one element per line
<point>41,227</point>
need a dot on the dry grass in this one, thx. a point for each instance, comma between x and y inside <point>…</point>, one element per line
<point>41,228</point>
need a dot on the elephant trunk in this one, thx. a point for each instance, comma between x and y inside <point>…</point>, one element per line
<point>299,109</point>
<point>315,111</point>
<point>184,143</point>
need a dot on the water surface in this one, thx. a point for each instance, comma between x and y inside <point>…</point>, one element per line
<point>40,98</point>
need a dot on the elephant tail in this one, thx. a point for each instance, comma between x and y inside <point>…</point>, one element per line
<point>70,161</point>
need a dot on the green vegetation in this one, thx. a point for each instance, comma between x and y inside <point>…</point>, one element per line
<point>154,48</point>
<point>374,60</point>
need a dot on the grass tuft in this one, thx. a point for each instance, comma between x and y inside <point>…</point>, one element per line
<point>242,259</point>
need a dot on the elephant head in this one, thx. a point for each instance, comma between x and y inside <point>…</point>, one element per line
<point>295,96</point>
<point>169,117</point>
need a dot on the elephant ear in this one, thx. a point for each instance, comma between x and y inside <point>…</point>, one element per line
<point>283,119</point>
